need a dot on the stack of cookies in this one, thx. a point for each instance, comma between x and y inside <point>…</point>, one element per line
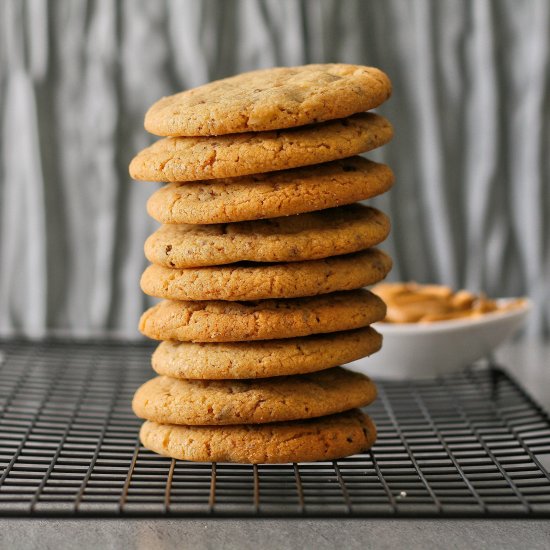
<point>261,260</point>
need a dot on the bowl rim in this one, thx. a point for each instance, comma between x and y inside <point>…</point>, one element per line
<point>457,324</point>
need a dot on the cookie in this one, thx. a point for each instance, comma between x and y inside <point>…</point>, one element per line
<point>325,438</point>
<point>222,402</point>
<point>267,358</point>
<point>309,236</point>
<point>203,158</point>
<point>217,321</point>
<point>269,99</point>
<point>267,281</point>
<point>271,194</point>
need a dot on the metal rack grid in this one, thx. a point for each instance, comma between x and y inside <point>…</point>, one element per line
<point>461,446</point>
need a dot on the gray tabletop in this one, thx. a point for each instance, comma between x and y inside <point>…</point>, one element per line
<point>528,361</point>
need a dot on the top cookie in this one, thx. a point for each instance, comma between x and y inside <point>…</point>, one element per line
<point>205,158</point>
<point>269,99</point>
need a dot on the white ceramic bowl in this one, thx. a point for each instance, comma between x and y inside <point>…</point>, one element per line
<point>416,350</point>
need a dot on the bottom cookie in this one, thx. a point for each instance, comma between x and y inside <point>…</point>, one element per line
<point>325,438</point>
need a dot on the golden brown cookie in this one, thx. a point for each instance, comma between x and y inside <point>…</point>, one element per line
<point>204,158</point>
<point>222,402</point>
<point>263,359</point>
<point>217,321</point>
<point>308,236</point>
<point>269,99</point>
<point>324,438</point>
<point>267,281</point>
<point>272,194</point>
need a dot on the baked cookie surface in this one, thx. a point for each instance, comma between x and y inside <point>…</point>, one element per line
<point>308,236</point>
<point>272,194</point>
<point>204,158</point>
<point>263,359</point>
<point>222,402</point>
<point>267,281</point>
<point>221,321</point>
<point>269,99</point>
<point>324,438</point>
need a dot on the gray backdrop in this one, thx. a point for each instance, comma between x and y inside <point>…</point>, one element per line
<point>470,106</point>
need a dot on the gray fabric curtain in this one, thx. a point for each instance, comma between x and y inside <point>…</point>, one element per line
<point>471,109</point>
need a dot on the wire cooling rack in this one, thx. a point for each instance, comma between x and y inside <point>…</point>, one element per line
<point>461,446</point>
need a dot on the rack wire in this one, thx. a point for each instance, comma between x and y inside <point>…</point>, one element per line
<point>468,445</point>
